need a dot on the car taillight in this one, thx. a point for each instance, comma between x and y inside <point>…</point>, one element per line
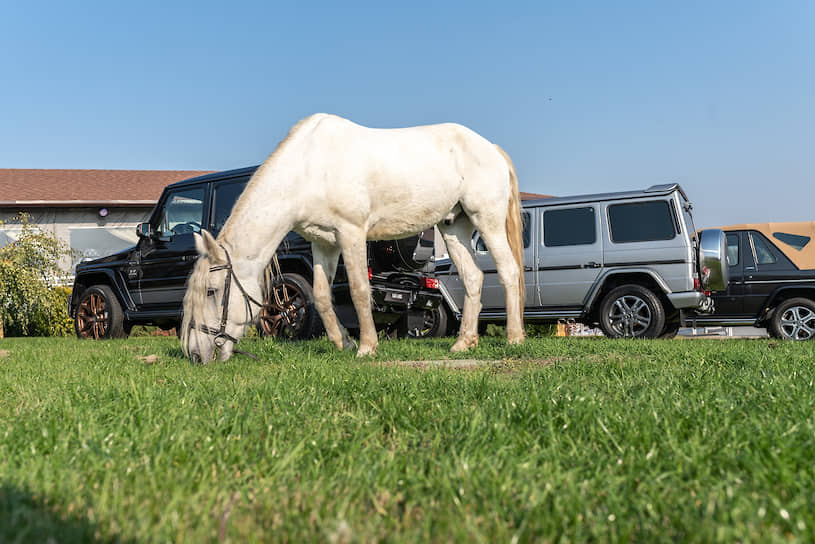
<point>697,285</point>
<point>370,273</point>
<point>430,283</point>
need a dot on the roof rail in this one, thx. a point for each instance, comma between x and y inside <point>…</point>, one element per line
<point>662,188</point>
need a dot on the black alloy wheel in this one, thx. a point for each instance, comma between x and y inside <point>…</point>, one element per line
<point>434,324</point>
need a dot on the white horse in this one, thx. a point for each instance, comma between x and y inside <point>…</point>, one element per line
<point>339,184</point>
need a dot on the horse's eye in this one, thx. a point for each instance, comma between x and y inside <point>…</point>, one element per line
<point>210,292</point>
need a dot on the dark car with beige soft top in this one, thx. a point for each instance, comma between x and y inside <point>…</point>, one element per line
<point>772,279</point>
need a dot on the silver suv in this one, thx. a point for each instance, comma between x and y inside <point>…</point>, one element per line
<point>628,262</point>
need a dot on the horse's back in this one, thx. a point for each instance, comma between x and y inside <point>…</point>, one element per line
<point>443,157</point>
<point>397,181</point>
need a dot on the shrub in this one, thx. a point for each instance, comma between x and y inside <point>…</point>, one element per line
<point>30,302</point>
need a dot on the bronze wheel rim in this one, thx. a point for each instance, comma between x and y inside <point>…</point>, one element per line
<point>285,314</point>
<point>93,318</point>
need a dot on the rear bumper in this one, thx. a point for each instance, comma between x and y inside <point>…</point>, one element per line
<point>402,300</point>
<point>691,300</point>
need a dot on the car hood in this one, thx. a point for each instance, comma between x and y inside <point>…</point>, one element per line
<point>115,257</point>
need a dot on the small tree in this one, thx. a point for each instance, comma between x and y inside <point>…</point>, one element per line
<point>30,303</point>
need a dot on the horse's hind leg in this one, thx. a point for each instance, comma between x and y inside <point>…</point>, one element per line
<point>325,266</point>
<point>355,256</point>
<point>496,239</point>
<point>457,237</point>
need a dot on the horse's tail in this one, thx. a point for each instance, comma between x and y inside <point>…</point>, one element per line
<point>514,227</point>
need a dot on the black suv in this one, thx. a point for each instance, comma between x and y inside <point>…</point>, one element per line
<point>146,283</point>
<point>772,280</point>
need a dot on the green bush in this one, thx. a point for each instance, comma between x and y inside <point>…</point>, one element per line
<point>30,302</point>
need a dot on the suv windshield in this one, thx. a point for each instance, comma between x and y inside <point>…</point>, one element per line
<point>182,213</point>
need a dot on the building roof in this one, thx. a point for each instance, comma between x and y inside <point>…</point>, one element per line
<point>34,187</point>
<point>532,196</point>
<point>21,187</point>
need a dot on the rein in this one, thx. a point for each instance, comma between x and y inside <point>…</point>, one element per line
<point>220,334</point>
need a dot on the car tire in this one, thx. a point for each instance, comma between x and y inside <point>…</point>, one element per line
<point>290,312</point>
<point>435,325</point>
<point>631,311</point>
<point>794,319</point>
<point>670,330</point>
<point>99,315</point>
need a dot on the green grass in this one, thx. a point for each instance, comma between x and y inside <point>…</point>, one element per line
<point>556,440</point>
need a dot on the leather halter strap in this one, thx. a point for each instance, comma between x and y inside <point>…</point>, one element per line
<point>220,334</point>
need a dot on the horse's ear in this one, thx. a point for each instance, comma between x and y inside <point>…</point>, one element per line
<point>206,246</point>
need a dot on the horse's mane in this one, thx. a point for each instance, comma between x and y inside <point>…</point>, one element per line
<point>195,300</point>
<point>269,164</point>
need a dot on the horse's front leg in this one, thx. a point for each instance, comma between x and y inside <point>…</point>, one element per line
<point>355,256</point>
<point>325,266</point>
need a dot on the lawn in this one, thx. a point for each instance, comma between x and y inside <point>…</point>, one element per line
<point>556,440</point>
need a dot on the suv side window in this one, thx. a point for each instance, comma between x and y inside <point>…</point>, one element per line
<point>182,213</point>
<point>223,200</point>
<point>764,254</point>
<point>641,222</point>
<point>569,227</point>
<point>732,249</point>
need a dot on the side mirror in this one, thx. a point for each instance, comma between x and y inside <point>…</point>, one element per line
<point>144,230</point>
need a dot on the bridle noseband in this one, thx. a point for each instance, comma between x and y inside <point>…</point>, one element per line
<point>220,334</point>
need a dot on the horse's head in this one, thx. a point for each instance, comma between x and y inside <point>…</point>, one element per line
<point>216,308</point>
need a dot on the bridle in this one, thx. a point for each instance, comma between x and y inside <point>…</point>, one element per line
<point>220,334</point>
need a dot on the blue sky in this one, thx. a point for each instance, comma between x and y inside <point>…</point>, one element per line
<point>585,96</point>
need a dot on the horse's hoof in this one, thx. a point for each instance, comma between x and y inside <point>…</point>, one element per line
<point>365,351</point>
<point>347,343</point>
<point>515,340</point>
<point>463,344</point>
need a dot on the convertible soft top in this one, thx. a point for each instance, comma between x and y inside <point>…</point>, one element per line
<point>795,239</point>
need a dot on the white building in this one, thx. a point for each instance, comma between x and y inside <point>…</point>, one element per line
<point>95,212</point>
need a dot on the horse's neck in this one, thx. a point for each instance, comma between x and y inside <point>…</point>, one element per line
<point>252,237</point>
<point>268,208</point>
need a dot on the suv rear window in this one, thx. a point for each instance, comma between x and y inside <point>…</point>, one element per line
<point>569,227</point>
<point>641,221</point>
<point>795,240</point>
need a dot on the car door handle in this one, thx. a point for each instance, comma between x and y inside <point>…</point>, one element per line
<point>591,264</point>
<point>528,269</point>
